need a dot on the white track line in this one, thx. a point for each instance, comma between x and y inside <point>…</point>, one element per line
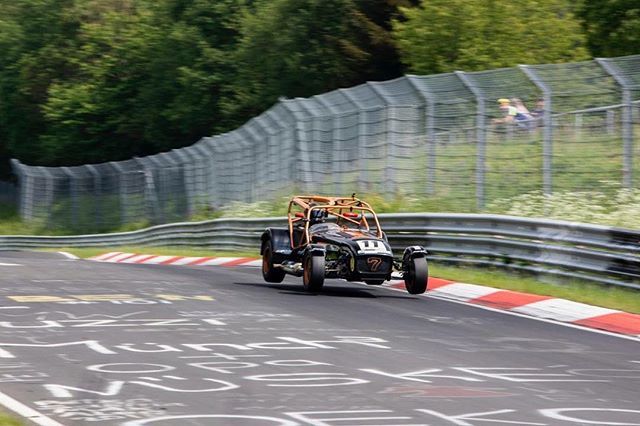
<point>563,310</point>
<point>27,412</point>
<point>119,257</point>
<point>431,294</point>
<point>219,261</point>
<point>104,256</point>
<point>69,255</point>
<point>157,259</point>
<point>257,263</point>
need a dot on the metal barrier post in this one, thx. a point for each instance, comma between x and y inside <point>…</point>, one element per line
<point>121,191</point>
<point>97,185</point>
<point>23,182</point>
<point>301,159</point>
<point>362,140</point>
<point>188,177</point>
<point>389,170</point>
<point>481,139</point>
<point>336,137</point>
<point>74,194</point>
<point>50,191</point>
<point>207,172</point>
<point>627,119</point>
<point>547,148</point>
<point>430,131</point>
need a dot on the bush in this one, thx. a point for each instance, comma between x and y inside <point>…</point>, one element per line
<point>611,205</point>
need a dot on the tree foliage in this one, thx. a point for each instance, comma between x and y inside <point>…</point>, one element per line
<point>612,26</point>
<point>103,80</point>
<point>446,35</point>
<point>303,47</point>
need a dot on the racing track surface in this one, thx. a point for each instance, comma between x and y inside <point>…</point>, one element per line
<point>96,343</point>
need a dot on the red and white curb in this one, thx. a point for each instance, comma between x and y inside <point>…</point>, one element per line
<point>544,307</point>
<point>534,305</point>
<point>150,259</point>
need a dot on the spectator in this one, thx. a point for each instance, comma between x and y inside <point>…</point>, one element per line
<point>508,110</point>
<point>538,112</point>
<point>522,113</point>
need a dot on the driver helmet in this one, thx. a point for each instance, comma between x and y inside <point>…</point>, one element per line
<point>317,216</point>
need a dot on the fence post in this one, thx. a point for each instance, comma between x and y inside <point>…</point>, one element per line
<point>74,194</point>
<point>97,185</point>
<point>547,147</point>
<point>207,169</point>
<point>336,137</point>
<point>188,176</point>
<point>430,129</point>
<point>199,174</point>
<point>627,118</point>
<point>251,175</point>
<point>121,191</point>
<point>481,139</point>
<point>363,162</point>
<point>287,124</point>
<point>152,188</point>
<point>49,190</point>
<point>389,168</point>
<point>216,184</point>
<point>22,189</point>
<point>302,138</point>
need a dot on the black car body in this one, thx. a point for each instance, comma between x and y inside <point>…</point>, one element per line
<point>333,237</point>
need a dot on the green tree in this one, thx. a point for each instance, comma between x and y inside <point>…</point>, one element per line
<point>34,37</point>
<point>100,80</point>
<point>612,26</point>
<point>300,48</point>
<point>149,78</point>
<point>446,35</point>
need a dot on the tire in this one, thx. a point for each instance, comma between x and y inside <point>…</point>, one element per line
<point>374,282</point>
<point>416,275</point>
<point>313,273</point>
<point>269,272</point>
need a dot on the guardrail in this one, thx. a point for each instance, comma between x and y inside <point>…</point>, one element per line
<point>590,252</point>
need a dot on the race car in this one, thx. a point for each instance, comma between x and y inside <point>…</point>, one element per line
<point>337,237</point>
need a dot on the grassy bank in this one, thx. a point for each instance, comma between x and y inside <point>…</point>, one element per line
<point>7,420</point>
<point>579,291</point>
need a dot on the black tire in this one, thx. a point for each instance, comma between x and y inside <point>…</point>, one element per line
<point>416,275</point>
<point>269,272</point>
<point>313,273</point>
<point>374,282</point>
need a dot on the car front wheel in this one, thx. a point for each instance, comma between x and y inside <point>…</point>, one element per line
<point>313,273</point>
<point>416,275</point>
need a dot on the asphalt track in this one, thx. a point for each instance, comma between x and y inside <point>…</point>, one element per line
<point>97,343</point>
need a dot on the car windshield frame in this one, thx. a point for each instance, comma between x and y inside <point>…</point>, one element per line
<point>340,208</point>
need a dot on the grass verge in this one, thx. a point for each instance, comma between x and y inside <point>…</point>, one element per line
<point>7,420</point>
<point>580,291</point>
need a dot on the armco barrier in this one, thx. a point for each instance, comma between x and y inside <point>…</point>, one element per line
<point>591,252</point>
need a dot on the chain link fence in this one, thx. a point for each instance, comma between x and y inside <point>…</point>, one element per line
<point>8,193</point>
<point>433,137</point>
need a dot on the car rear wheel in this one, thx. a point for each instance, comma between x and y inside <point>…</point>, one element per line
<point>313,273</point>
<point>416,275</point>
<point>269,272</point>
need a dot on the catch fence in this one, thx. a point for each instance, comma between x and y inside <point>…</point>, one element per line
<point>8,193</point>
<point>414,137</point>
